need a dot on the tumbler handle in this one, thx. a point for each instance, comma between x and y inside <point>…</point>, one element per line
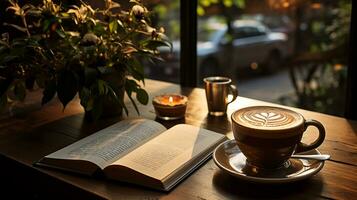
<point>233,90</point>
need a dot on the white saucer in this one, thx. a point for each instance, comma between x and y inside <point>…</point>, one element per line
<point>230,159</point>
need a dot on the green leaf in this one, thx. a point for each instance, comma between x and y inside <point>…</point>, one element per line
<point>20,91</point>
<point>102,87</point>
<point>115,97</point>
<point>46,24</point>
<point>98,29</point>
<point>87,100</point>
<point>20,28</point>
<point>135,1</point>
<point>84,95</point>
<point>49,92</point>
<point>93,21</point>
<point>90,104</point>
<point>154,44</point>
<point>97,109</point>
<point>130,86</point>
<point>113,26</point>
<point>134,104</point>
<point>124,106</point>
<point>60,33</point>
<point>121,25</point>
<point>102,70</point>
<point>67,86</point>
<point>112,93</point>
<point>142,96</point>
<point>19,42</point>
<point>136,69</point>
<point>73,33</point>
<point>65,15</point>
<point>137,75</point>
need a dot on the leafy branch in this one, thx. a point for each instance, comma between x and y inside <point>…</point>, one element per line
<point>73,50</point>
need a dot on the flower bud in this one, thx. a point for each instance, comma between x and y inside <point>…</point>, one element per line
<point>90,39</point>
<point>138,11</point>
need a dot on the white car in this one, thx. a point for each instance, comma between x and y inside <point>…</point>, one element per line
<point>251,44</point>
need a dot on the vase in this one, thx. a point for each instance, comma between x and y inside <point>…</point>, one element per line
<point>110,107</point>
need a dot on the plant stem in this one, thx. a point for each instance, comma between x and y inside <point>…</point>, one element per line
<point>25,24</point>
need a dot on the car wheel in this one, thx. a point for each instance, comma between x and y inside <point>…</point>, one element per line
<point>273,62</point>
<point>208,67</point>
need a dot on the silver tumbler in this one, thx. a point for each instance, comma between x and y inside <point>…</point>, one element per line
<point>217,94</point>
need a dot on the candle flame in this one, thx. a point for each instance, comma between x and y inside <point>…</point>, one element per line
<point>171,100</point>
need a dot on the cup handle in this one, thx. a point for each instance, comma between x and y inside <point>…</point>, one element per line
<point>233,90</point>
<point>305,147</point>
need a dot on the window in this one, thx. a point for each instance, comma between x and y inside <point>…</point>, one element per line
<point>284,51</point>
<point>167,15</point>
<point>247,31</point>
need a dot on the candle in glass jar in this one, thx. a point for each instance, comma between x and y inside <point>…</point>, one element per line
<point>170,106</point>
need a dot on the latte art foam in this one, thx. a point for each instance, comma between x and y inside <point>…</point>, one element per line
<point>268,118</point>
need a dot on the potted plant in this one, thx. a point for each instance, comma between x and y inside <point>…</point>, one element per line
<point>69,50</point>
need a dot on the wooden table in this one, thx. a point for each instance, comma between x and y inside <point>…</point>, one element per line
<point>35,132</point>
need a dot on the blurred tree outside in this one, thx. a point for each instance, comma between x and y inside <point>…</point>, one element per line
<point>320,30</point>
<point>167,14</point>
<point>227,11</point>
<point>319,68</point>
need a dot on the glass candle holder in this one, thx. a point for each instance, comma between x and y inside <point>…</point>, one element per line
<point>170,106</point>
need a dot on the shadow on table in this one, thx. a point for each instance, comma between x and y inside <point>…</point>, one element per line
<point>170,123</point>
<point>233,187</point>
<point>219,124</point>
<point>353,125</point>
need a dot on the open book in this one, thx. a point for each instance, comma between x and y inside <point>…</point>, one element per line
<point>138,151</point>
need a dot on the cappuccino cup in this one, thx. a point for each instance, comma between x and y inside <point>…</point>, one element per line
<point>268,136</point>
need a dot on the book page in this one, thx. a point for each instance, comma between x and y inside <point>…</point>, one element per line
<point>170,150</point>
<point>108,145</point>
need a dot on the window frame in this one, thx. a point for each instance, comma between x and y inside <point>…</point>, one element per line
<point>188,42</point>
<point>188,62</point>
<point>351,91</point>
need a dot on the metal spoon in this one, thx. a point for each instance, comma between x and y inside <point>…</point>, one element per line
<point>321,157</point>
